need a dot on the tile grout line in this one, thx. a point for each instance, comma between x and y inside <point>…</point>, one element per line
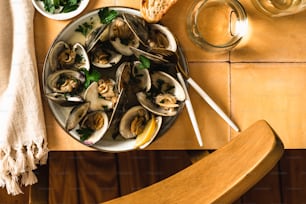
<point>230,96</point>
<point>230,92</point>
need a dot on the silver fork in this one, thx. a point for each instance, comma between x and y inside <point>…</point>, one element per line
<point>207,98</point>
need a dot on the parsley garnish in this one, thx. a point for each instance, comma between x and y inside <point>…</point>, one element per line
<point>106,16</point>
<point>84,133</point>
<point>144,62</point>
<point>91,76</point>
<point>84,28</point>
<point>60,6</point>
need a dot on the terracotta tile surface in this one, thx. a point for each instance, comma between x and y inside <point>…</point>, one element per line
<point>274,92</point>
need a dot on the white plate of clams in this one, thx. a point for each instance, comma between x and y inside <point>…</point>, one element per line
<point>108,73</point>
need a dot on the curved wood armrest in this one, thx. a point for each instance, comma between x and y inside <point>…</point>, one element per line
<point>221,177</point>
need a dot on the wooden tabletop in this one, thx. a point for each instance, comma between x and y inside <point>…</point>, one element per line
<point>263,78</point>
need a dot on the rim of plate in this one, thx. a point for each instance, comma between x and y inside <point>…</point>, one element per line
<point>39,6</point>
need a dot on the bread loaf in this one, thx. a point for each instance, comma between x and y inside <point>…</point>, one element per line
<point>153,10</point>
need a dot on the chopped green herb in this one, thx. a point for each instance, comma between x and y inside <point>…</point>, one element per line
<point>84,28</point>
<point>144,62</point>
<point>106,15</point>
<point>69,8</point>
<point>60,6</point>
<point>91,76</point>
<point>49,6</point>
<point>84,133</point>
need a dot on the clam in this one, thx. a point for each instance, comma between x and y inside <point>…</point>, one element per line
<point>123,75</point>
<point>141,77</point>
<point>65,99</point>
<point>64,56</point>
<point>103,57</point>
<point>65,81</point>
<point>98,34</point>
<point>76,115</point>
<point>152,36</point>
<point>97,102</point>
<point>165,83</point>
<point>160,37</point>
<point>121,37</point>
<point>57,49</point>
<point>95,122</point>
<point>138,26</point>
<point>107,90</point>
<point>130,75</point>
<point>160,46</point>
<point>81,60</point>
<point>134,121</point>
<point>165,96</point>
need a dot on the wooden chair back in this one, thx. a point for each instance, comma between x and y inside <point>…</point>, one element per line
<point>221,177</point>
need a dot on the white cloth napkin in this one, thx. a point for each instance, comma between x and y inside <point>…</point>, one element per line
<point>23,143</point>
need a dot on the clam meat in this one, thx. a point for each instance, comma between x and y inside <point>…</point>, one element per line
<point>65,81</point>
<point>97,102</point>
<point>64,56</point>
<point>133,122</point>
<point>95,125</point>
<point>160,37</point>
<point>103,57</point>
<point>107,90</point>
<point>165,95</point>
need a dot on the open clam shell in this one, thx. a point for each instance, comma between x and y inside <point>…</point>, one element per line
<point>141,77</point>
<point>96,102</point>
<point>168,84</point>
<point>98,34</point>
<point>76,114</point>
<point>157,99</point>
<point>64,56</point>
<point>97,122</point>
<point>81,61</point>
<point>102,57</point>
<point>123,75</point>
<point>138,26</point>
<point>160,37</point>
<point>59,47</point>
<point>129,75</point>
<point>65,81</point>
<point>121,37</point>
<point>134,120</point>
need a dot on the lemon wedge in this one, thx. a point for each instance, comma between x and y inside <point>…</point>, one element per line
<point>147,133</point>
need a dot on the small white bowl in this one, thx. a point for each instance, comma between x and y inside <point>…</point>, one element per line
<point>39,5</point>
